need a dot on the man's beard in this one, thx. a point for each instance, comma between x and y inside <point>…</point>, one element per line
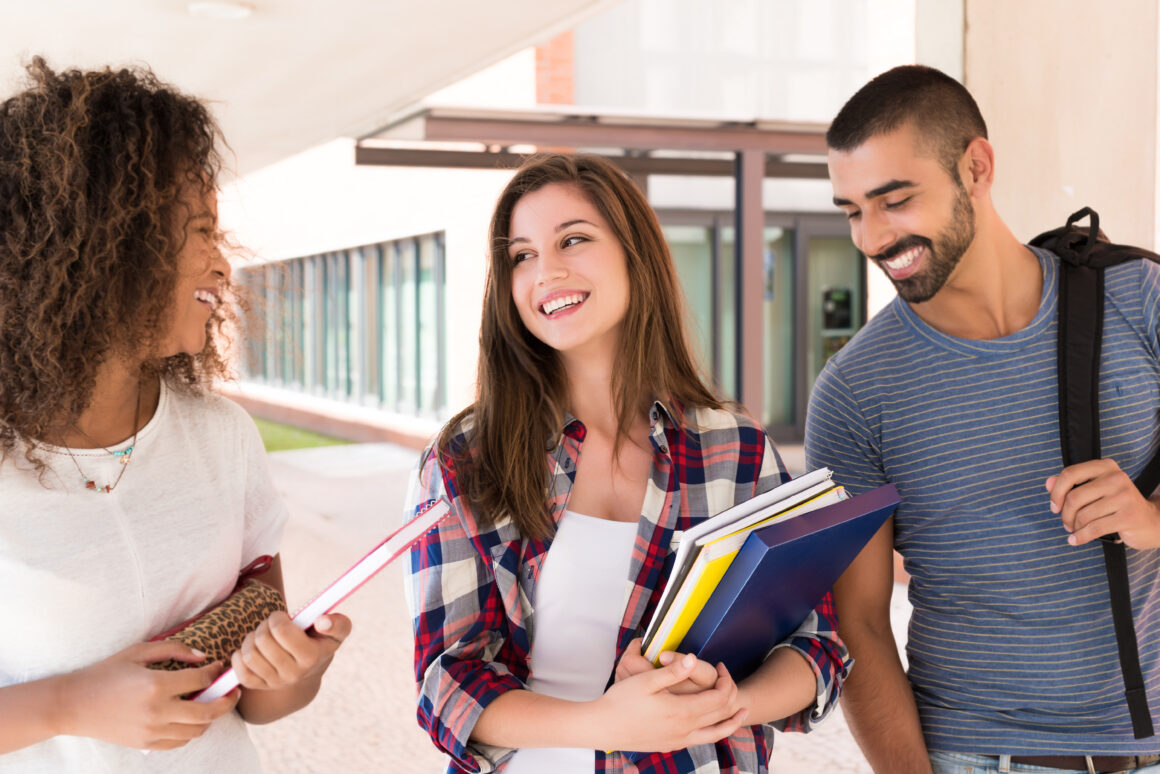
<point>942,255</point>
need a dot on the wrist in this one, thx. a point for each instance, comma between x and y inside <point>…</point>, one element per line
<point>57,712</point>
<point>591,727</point>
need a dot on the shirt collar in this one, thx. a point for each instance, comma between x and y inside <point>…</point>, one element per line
<point>661,415</point>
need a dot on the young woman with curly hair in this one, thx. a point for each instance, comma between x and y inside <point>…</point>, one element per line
<point>593,443</point>
<point>130,494</point>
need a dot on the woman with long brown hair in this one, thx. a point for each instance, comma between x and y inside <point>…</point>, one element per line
<point>130,495</point>
<point>592,444</point>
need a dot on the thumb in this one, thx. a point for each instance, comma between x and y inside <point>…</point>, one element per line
<point>151,652</point>
<point>675,672</point>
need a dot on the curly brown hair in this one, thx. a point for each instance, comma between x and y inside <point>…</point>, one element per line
<point>92,167</point>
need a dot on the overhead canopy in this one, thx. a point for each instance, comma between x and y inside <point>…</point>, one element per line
<point>641,144</point>
<point>294,73</point>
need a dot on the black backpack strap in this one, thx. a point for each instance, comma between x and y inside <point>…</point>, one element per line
<point>1081,319</point>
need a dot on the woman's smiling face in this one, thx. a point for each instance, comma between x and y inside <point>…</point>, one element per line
<point>202,272</point>
<point>569,272</point>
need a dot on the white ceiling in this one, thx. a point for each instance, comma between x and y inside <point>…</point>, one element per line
<point>296,72</point>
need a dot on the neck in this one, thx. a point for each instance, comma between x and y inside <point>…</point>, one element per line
<point>122,401</point>
<point>993,292</point>
<point>591,398</point>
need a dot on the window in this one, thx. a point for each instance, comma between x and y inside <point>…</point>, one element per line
<point>364,325</point>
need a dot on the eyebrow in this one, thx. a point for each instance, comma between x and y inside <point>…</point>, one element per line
<point>559,228</point>
<point>881,190</point>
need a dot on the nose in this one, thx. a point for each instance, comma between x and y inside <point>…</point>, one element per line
<point>220,266</point>
<point>874,233</point>
<point>552,267</point>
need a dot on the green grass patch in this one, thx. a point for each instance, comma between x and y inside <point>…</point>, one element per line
<point>279,437</point>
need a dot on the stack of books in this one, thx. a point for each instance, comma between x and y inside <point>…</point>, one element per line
<point>745,579</point>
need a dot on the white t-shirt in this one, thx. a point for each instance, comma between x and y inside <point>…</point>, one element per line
<point>579,603</point>
<point>85,574</point>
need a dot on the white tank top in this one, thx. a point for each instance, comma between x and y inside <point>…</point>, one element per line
<point>578,604</point>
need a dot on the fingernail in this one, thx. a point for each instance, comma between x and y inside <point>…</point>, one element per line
<point>198,653</point>
<point>1054,507</point>
<point>688,660</point>
<point>666,657</point>
<point>1071,540</point>
<point>322,624</point>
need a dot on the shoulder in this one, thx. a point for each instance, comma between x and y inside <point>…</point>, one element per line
<point>1141,274</point>
<point>435,473</point>
<point>205,405</point>
<point>727,421</point>
<point>725,436</point>
<point>207,414</point>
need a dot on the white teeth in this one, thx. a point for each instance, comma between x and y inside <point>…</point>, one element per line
<point>904,260</point>
<point>206,297</point>
<point>561,302</point>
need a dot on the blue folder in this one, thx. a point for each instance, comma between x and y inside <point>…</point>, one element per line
<point>781,572</point>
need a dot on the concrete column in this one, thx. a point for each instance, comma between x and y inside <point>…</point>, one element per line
<point>1069,92</point>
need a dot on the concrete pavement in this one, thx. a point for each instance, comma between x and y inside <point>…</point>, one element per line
<point>343,500</point>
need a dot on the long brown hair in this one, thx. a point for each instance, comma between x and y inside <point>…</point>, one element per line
<point>521,391</point>
<point>92,165</point>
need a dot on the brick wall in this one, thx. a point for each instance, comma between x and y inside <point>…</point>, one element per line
<point>555,71</point>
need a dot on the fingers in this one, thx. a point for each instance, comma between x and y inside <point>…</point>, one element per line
<point>632,662</point>
<point>702,678</point>
<point>163,650</point>
<point>278,653</point>
<point>1093,530</point>
<point>334,626</point>
<point>675,672</point>
<point>188,720</point>
<point>1073,476</point>
<point>188,681</point>
<point>726,728</point>
<point>1085,495</point>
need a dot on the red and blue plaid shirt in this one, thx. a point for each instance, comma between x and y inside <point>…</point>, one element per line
<point>470,590</point>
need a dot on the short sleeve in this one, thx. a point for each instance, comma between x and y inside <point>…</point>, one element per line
<point>837,436</point>
<point>266,512</point>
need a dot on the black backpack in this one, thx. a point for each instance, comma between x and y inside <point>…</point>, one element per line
<point>1084,253</point>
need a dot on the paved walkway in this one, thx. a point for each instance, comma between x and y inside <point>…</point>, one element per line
<point>344,500</point>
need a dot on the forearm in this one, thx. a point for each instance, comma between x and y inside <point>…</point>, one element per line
<point>879,708</point>
<point>265,706</point>
<point>522,718</point>
<point>31,712</point>
<point>784,685</point>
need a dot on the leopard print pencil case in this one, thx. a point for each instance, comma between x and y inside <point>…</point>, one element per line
<point>219,631</point>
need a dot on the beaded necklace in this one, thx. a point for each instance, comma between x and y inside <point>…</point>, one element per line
<point>125,456</point>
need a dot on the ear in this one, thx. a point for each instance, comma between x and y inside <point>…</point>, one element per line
<point>977,167</point>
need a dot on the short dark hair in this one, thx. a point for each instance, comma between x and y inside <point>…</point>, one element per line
<point>942,111</point>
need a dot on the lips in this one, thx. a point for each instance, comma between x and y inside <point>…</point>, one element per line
<point>903,264</point>
<point>559,303</point>
<point>207,297</point>
<point>904,257</point>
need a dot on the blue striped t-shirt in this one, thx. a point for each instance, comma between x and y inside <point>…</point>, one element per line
<point>1011,646</point>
